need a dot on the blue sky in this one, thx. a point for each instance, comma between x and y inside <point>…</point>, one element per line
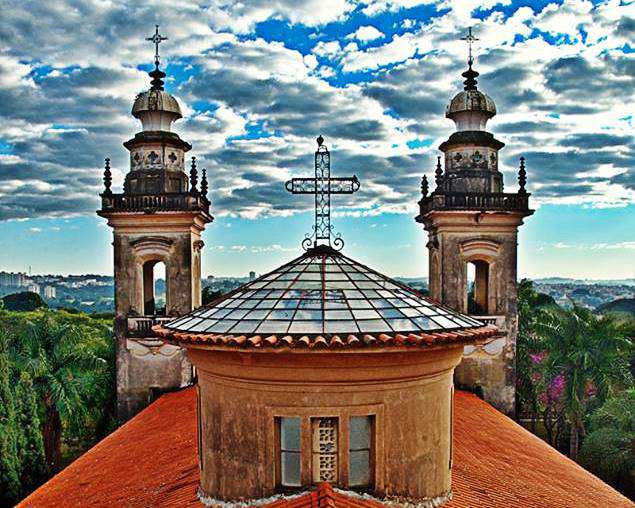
<point>259,80</point>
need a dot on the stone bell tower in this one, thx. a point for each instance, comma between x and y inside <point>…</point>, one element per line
<point>471,221</point>
<point>158,218</point>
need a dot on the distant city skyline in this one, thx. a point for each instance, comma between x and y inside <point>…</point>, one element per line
<point>257,84</point>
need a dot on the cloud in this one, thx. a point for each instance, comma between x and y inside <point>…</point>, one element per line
<point>254,100</point>
<point>366,33</point>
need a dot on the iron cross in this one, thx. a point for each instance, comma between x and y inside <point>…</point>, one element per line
<point>469,38</point>
<point>156,39</point>
<point>322,186</point>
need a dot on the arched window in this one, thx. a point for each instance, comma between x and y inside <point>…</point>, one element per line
<point>154,288</point>
<point>477,287</point>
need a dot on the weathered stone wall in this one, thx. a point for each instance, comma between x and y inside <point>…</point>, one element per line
<point>408,393</point>
<point>146,366</point>
<point>456,239</point>
<point>145,369</point>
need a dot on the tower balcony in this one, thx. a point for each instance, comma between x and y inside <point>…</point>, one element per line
<point>506,202</point>
<point>141,327</point>
<point>149,203</point>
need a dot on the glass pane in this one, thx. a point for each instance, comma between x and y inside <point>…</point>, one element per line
<point>359,437</point>
<point>290,469</point>
<point>290,434</point>
<point>359,468</point>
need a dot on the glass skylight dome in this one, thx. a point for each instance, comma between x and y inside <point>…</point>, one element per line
<point>322,292</point>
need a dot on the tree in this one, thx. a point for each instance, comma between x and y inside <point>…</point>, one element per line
<point>590,354</point>
<point>9,463</point>
<point>23,302</point>
<point>30,444</point>
<point>210,295</point>
<point>608,449</point>
<point>60,359</point>
<point>528,349</point>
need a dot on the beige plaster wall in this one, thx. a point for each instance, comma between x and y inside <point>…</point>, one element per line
<point>409,394</point>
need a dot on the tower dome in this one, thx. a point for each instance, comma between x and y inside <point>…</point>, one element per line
<point>156,108</point>
<point>470,109</point>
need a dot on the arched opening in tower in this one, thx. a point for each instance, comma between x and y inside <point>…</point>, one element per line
<point>154,288</point>
<point>477,287</point>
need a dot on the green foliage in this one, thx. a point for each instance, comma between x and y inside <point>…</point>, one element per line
<point>622,305</point>
<point>62,368</point>
<point>531,304</point>
<point>30,443</point>
<point>608,450</point>
<point>209,295</point>
<point>23,302</point>
<point>590,353</point>
<point>9,462</point>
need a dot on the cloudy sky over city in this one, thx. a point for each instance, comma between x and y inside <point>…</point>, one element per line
<point>258,81</point>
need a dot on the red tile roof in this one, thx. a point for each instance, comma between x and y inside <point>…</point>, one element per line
<point>151,462</point>
<point>334,341</point>
<point>325,497</point>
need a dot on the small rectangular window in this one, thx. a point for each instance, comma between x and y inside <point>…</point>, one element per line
<point>324,450</point>
<point>360,452</point>
<point>290,452</point>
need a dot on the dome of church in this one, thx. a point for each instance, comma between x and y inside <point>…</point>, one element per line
<point>472,101</point>
<point>156,100</point>
<point>321,293</point>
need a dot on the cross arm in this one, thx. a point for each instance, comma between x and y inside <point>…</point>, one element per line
<point>344,185</point>
<point>301,186</point>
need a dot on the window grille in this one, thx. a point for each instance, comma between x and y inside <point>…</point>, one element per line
<point>324,450</point>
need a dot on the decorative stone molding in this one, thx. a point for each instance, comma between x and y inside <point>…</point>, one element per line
<point>152,247</point>
<point>153,347</point>
<point>486,250</point>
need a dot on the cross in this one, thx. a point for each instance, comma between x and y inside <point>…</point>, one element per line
<point>469,38</point>
<point>156,39</point>
<point>322,186</point>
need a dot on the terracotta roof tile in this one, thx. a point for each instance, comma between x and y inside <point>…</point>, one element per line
<point>151,462</point>
<point>320,341</point>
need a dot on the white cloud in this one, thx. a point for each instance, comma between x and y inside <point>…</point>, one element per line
<point>366,33</point>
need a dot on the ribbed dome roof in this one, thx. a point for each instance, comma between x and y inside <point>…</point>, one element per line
<point>156,100</point>
<point>471,100</point>
<point>321,292</point>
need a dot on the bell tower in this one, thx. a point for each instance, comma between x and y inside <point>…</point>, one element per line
<point>157,220</point>
<point>472,227</point>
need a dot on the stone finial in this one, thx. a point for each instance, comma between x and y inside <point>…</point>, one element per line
<point>193,177</point>
<point>424,186</point>
<point>204,186</point>
<point>438,174</point>
<point>522,177</point>
<point>107,177</point>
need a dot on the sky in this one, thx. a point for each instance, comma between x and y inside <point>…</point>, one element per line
<point>258,81</point>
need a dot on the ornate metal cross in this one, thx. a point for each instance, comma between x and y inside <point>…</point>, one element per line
<point>469,38</point>
<point>322,186</point>
<point>156,39</point>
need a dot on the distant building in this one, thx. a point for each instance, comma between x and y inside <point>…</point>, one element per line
<point>12,279</point>
<point>33,288</point>
<point>50,292</point>
<point>252,276</point>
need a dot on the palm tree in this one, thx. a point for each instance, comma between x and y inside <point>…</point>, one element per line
<point>591,353</point>
<point>62,364</point>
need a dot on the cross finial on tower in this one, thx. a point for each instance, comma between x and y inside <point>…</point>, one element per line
<point>156,39</point>
<point>470,75</point>
<point>469,38</point>
<point>322,186</point>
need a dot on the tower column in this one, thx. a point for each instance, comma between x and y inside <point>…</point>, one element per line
<point>158,218</point>
<point>470,220</point>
